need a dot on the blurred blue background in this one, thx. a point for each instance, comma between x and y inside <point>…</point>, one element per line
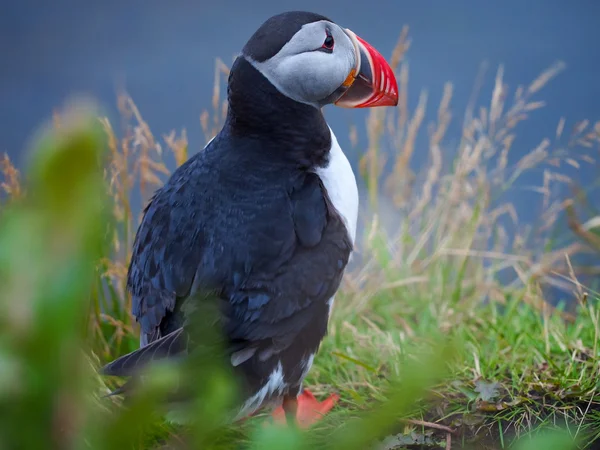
<point>163,53</point>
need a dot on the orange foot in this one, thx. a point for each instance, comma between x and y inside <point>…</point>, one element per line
<point>309,409</point>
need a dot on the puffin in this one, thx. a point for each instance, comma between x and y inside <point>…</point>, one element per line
<point>262,221</point>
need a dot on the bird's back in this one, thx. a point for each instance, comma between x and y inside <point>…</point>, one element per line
<point>216,219</point>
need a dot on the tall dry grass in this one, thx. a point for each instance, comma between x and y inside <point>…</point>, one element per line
<point>447,214</point>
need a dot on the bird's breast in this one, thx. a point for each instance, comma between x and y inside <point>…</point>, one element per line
<point>340,183</point>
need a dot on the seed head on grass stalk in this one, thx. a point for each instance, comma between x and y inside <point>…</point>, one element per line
<point>11,186</point>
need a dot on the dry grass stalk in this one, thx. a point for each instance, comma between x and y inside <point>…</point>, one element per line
<point>11,184</point>
<point>576,226</point>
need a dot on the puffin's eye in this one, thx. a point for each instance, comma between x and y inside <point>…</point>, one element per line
<point>328,44</point>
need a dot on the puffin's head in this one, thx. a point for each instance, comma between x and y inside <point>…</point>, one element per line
<point>312,60</point>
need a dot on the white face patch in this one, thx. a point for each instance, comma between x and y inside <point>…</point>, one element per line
<point>304,73</point>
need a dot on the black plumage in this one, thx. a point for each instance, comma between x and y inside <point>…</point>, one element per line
<point>249,221</point>
<point>276,32</point>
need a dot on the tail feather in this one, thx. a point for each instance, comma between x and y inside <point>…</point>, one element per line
<point>123,389</point>
<point>168,346</point>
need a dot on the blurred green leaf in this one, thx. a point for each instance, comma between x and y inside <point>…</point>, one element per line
<point>49,244</point>
<point>555,440</point>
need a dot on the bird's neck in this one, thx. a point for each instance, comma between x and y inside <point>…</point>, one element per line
<point>286,129</point>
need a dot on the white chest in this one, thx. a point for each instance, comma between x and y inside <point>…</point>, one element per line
<point>338,178</point>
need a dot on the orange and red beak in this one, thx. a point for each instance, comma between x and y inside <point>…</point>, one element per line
<point>372,82</point>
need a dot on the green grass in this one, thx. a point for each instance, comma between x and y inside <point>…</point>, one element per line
<point>427,347</point>
<point>514,371</point>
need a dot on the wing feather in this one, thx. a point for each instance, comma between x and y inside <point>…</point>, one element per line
<point>275,255</point>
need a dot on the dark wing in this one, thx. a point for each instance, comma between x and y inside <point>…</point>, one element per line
<point>174,343</point>
<point>275,269</point>
<point>281,317</point>
<point>166,254</point>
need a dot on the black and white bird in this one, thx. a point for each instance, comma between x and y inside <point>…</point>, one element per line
<point>264,218</point>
